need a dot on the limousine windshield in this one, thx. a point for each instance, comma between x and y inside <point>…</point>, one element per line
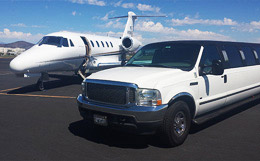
<point>170,55</point>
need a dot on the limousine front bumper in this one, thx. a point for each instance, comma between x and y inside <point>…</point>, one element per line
<point>137,119</point>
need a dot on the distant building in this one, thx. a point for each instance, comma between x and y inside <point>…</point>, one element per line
<point>11,51</point>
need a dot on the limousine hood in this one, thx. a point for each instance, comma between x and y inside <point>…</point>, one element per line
<point>144,77</point>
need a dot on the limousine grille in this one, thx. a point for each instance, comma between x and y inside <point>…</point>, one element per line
<point>111,94</point>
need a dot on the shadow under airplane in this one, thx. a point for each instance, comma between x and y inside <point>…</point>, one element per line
<point>55,81</point>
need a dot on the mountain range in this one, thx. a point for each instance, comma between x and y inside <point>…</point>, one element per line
<point>17,44</point>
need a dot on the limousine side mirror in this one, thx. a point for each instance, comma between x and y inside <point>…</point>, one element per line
<point>217,67</point>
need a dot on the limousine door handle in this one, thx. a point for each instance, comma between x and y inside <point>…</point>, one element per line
<point>225,78</point>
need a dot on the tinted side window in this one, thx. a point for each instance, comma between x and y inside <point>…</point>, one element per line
<point>249,55</point>
<point>92,43</point>
<point>210,53</point>
<point>65,42</point>
<point>71,44</point>
<point>97,43</point>
<point>234,57</point>
<point>107,44</point>
<point>111,44</point>
<point>102,43</point>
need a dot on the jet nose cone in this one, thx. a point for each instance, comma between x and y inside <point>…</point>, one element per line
<point>16,65</point>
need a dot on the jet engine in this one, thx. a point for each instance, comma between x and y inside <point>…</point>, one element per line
<point>130,44</point>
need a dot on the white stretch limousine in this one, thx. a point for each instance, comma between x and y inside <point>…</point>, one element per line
<point>166,85</point>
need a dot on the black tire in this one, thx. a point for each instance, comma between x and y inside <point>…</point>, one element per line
<point>176,124</point>
<point>40,85</point>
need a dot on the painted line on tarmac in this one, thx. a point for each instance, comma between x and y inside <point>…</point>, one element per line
<point>4,90</point>
<point>43,96</point>
<point>6,74</point>
<point>6,57</point>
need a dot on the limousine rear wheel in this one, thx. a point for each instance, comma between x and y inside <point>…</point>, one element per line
<point>176,124</point>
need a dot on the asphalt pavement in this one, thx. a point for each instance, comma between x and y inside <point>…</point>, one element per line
<point>46,125</point>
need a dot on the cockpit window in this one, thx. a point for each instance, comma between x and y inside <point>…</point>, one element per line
<point>65,42</point>
<point>54,40</point>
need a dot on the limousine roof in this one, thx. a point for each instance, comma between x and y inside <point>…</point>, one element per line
<point>208,42</point>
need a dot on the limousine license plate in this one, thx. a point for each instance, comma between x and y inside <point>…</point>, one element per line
<point>100,120</point>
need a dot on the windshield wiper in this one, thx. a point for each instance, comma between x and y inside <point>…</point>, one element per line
<point>134,65</point>
<point>158,65</point>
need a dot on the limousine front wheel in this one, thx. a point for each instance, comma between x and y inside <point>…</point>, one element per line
<point>176,124</point>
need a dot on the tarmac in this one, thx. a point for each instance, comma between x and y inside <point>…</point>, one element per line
<point>46,125</point>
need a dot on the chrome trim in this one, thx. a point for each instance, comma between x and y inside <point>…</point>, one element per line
<point>224,53</point>
<point>134,108</point>
<point>114,83</point>
<point>255,53</point>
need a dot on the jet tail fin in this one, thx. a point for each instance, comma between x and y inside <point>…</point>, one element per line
<point>129,28</point>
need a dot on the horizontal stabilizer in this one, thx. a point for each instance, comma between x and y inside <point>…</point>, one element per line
<point>137,16</point>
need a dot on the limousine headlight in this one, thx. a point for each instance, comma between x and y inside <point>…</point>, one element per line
<point>148,97</point>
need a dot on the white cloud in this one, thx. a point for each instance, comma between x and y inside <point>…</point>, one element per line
<point>107,15</point>
<point>74,13</point>
<point>114,24</point>
<point>150,26</point>
<point>91,2</point>
<point>18,25</point>
<point>24,25</point>
<point>255,24</point>
<point>190,34</point>
<point>145,7</point>
<point>117,4</point>
<point>168,33</point>
<point>128,5</point>
<point>124,5</point>
<point>14,36</point>
<point>191,21</point>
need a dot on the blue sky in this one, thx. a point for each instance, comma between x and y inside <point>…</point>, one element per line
<point>234,20</point>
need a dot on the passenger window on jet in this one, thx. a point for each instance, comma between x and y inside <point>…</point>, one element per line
<point>210,53</point>
<point>65,42</point>
<point>71,44</point>
<point>97,43</point>
<point>107,45</point>
<point>249,55</point>
<point>92,43</point>
<point>102,43</point>
<point>111,44</point>
<point>234,57</point>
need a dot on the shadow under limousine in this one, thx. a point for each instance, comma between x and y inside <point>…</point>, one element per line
<point>195,128</point>
<point>120,139</point>
<point>56,81</point>
<point>102,135</point>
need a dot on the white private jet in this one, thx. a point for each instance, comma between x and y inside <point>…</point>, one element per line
<point>67,51</point>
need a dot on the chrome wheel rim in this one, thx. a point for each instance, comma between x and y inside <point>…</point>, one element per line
<point>179,123</point>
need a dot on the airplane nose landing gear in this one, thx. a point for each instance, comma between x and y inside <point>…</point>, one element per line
<point>40,83</point>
